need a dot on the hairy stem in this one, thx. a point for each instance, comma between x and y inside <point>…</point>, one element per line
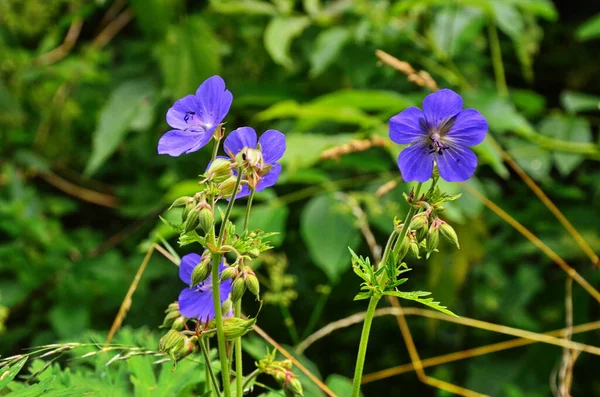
<point>362,349</point>
<point>238,182</point>
<point>216,259</point>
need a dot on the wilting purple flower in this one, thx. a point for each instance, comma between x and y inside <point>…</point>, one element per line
<point>197,301</point>
<point>272,146</point>
<point>442,133</point>
<point>195,118</point>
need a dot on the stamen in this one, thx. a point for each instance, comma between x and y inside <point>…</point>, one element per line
<point>188,115</point>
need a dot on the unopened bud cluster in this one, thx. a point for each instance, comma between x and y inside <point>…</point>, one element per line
<point>423,235</point>
<point>281,371</point>
<point>242,280</point>
<point>173,319</point>
<point>178,345</point>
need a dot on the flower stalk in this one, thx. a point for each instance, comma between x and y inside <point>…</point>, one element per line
<point>362,348</point>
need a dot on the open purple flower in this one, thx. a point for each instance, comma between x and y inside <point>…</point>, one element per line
<point>271,146</point>
<point>197,301</point>
<point>195,118</point>
<point>442,133</point>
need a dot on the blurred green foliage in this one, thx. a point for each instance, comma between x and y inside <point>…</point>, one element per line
<point>81,185</point>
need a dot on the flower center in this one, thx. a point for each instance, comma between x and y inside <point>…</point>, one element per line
<point>435,135</point>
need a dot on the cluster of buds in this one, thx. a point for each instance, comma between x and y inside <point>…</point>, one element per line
<point>178,345</point>
<point>173,319</point>
<point>424,234</point>
<point>281,371</point>
<point>243,278</point>
<point>197,212</point>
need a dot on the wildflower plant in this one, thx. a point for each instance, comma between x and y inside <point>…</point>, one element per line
<point>209,307</point>
<point>439,136</point>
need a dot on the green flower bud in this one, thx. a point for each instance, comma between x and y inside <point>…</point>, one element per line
<point>227,186</point>
<point>254,253</point>
<point>201,270</point>
<point>206,218</point>
<point>238,289</point>
<point>252,284</point>
<point>172,340</point>
<point>219,170</point>
<point>192,220</point>
<point>178,324</point>
<point>293,387</point>
<point>234,327</point>
<point>170,318</point>
<point>189,205</point>
<point>180,202</point>
<point>419,221</point>
<point>433,238</point>
<point>226,306</point>
<point>190,345</point>
<point>229,272</point>
<point>413,249</point>
<point>404,247</point>
<point>449,234</point>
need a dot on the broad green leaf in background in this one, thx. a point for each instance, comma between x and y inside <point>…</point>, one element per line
<point>339,384</point>
<point>328,229</point>
<point>244,7</point>
<point>572,129</point>
<point>327,47</point>
<point>508,18</point>
<point>272,218</point>
<point>189,54</point>
<point>367,100</point>
<point>532,158</point>
<point>116,118</point>
<point>155,16</point>
<point>590,29</point>
<point>279,35</point>
<point>575,102</point>
<point>455,28</point>
<point>304,150</point>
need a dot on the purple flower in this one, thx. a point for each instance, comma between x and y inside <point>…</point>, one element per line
<point>197,301</point>
<point>195,118</point>
<point>442,133</point>
<point>272,146</point>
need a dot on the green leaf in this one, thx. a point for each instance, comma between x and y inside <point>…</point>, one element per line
<point>279,35</point>
<point>368,100</point>
<point>576,102</point>
<point>571,129</point>
<point>116,118</point>
<point>508,18</point>
<point>327,47</point>
<point>454,29</point>
<point>11,372</point>
<point>340,385</point>
<point>189,54</point>
<point>155,16</point>
<point>270,218</point>
<point>244,7</point>
<point>590,29</point>
<point>327,227</point>
<point>38,389</point>
<point>417,297</point>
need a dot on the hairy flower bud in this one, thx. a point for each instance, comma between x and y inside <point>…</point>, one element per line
<point>171,340</point>
<point>192,220</point>
<point>226,187</point>
<point>201,270</point>
<point>252,284</point>
<point>229,272</point>
<point>254,253</point>
<point>419,221</point>
<point>238,289</point>
<point>293,387</point>
<point>178,324</point>
<point>219,170</point>
<point>180,202</point>
<point>234,327</point>
<point>433,237</point>
<point>189,205</point>
<point>206,218</point>
<point>404,247</point>
<point>449,234</point>
<point>414,250</point>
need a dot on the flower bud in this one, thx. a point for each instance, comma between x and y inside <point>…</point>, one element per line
<point>252,284</point>
<point>254,253</point>
<point>172,340</point>
<point>250,159</point>
<point>234,327</point>
<point>178,324</point>
<point>419,221</point>
<point>238,289</point>
<point>180,202</point>
<point>190,345</point>
<point>189,205</point>
<point>226,307</point>
<point>219,170</point>
<point>201,271</point>
<point>293,387</point>
<point>192,220</point>
<point>227,186</point>
<point>404,247</point>
<point>449,234</point>
<point>414,250</point>
<point>229,273</point>
<point>433,238</point>
<point>170,318</point>
<point>206,218</point>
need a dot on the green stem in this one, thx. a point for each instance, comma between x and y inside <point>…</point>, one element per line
<point>248,206</point>
<point>362,349</point>
<point>216,148</point>
<point>316,313</point>
<point>288,320</point>
<point>249,378</point>
<point>497,59</point>
<point>388,248</point>
<point>216,259</point>
<point>409,215</point>
<point>238,182</point>
<point>211,379</point>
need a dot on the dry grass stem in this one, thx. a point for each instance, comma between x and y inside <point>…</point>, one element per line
<point>354,146</point>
